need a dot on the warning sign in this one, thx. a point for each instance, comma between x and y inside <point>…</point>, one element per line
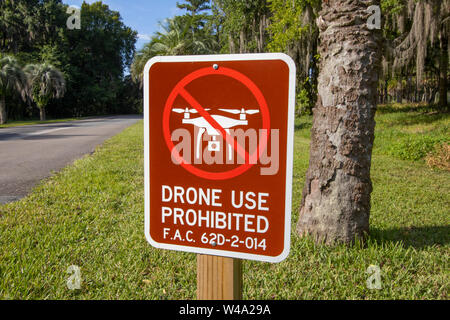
<point>218,154</point>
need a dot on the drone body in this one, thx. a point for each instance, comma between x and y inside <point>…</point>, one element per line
<point>225,122</point>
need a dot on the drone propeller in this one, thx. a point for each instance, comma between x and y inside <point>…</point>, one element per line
<point>178,110</point>
<point>242,111</point>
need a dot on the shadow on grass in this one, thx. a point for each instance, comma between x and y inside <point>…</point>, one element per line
<point>302,125</point>
<point>401,108</point>
<point>15,136</point>
<point>417,119</point>
<point>417,237</point>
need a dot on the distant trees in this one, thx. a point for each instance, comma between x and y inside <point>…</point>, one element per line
<point>196,19</point>
<point>37,82</point>
<point>242,25</point>
<point>188,34</point>
<point>415,63</point>
<point>94,60</point>
<point>44,82</point>
<point>293,30</point>
<point>12,80</point>
<point>26,25</point>
<point>415,48</point>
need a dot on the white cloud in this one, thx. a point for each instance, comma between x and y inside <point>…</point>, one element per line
<point>144,37</point>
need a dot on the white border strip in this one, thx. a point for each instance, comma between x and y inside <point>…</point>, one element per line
<point>289,156</point>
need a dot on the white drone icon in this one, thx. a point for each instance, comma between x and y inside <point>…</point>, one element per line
<point>225,122</point>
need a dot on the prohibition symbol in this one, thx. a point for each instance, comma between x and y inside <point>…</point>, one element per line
<point>180,89</point>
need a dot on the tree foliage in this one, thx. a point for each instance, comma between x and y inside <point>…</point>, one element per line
<point>93,59</point>
<point>45,82</point>
<point>416,51</point>
<point>243,25</point>
<point>188,34</point>
<point>293,30</point>
<point>12,80</point>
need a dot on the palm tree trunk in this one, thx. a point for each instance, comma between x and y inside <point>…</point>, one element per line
<point>3,114</point>
<point>336,197</point>
<point>42,113</point>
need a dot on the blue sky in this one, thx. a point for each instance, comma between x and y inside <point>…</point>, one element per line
<point>141,15</point>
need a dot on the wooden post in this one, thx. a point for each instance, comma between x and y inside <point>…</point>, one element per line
<point>218,278</point>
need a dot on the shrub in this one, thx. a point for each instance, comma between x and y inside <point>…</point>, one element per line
<point>414,147</point>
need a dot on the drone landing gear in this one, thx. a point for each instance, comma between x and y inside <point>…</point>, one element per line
<point>201,131</point>
<point>213,145</point>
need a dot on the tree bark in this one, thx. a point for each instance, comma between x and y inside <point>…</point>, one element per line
<point>398,92</point>
<point>443,69</point>
<point>262,23</point>
<point>336,197</point>
<point>242,41</point>
<point>42,113</point>
<point>386,94</point>
<point>3,114</point>
<point>231,43</point>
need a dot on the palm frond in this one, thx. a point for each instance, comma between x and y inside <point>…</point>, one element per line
<point>45,81</point>
<point>12,78</point>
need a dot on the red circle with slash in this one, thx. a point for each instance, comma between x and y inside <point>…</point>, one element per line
<point>179,89</point>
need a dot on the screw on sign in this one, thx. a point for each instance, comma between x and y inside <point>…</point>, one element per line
<point>218,154</point>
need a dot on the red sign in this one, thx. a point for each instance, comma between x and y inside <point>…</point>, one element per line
<point>218,154</point>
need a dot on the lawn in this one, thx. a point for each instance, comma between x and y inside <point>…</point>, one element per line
<point>91,215</point>
<point>20,123</point>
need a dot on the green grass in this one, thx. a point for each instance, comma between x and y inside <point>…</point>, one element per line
<point>410,133</point>
<point>91,215</point>
<point>19,123</point>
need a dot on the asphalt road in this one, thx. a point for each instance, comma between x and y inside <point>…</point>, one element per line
<point>30,153</point>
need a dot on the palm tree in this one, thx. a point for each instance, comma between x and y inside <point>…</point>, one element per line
<point>174,40</point>
<point>12,78</point>
<point>336,197</point>
<point>45,82</point>
<point>171,41</point>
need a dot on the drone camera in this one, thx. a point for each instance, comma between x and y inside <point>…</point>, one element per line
<point>213,146</point>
